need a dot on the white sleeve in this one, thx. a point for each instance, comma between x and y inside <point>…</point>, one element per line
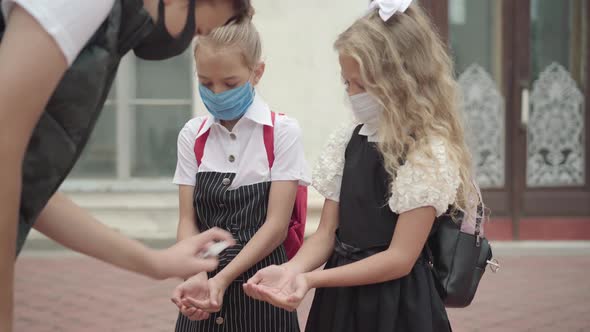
<point>186,166</point>
<point>328,170</point>
<point>70,23</point>
<point>290,163</point>
<point>423,181</point>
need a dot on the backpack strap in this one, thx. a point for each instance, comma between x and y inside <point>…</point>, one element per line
<point>268,132</point>
<point>200,143</point>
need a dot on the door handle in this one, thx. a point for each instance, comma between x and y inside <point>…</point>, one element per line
<point>524,107</point>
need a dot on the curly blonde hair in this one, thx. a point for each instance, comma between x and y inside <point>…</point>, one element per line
<point>405,65</point>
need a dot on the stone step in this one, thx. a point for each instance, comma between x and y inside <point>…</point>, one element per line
<point>150,217</point>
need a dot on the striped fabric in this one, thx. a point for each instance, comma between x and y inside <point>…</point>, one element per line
<point>242,212</point>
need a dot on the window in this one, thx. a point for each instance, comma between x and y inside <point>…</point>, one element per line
<point>150,102</point>
<point>475,31</point>
<point>136,133</point>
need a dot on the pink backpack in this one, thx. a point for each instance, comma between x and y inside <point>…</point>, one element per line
<point>296,231</point>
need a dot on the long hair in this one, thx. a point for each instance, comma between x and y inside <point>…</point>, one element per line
<point>405,65</point>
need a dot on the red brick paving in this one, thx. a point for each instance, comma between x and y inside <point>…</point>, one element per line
<point>540,228</point>
<point>68,294</point>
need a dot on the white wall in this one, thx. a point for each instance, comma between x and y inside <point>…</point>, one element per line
<point>302,76</point>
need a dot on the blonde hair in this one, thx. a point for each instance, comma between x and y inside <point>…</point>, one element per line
<point>242,34</point>
<point>405,65</point>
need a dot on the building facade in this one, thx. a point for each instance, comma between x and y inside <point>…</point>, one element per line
<point>522,65</point>
<point>523,68</point>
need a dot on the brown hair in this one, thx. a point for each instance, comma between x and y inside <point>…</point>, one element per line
<point>244,10</point>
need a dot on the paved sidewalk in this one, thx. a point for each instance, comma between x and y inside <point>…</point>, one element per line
<point>67,293</point>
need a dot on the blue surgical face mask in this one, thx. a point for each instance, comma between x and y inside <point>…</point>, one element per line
<point>228,105</point>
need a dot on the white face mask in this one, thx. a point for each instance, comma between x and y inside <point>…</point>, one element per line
<point>366,109</point>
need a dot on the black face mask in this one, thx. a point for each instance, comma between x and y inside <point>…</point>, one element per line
<point>159,44</point>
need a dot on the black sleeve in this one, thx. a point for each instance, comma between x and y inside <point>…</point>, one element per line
<point>2,26</point>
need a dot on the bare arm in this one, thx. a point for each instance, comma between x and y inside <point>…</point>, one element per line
<point>274,284</point>
<point>318,247</point>
<point>187,226</point>
<point>269,236</point>
<point>187,222</point>
<point>27,84</point>
<point>397,261</point>
<point>73,227</point>
<point>68,224</point>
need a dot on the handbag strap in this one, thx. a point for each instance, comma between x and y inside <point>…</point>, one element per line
<point>479,215</point>
<point>429,256</point>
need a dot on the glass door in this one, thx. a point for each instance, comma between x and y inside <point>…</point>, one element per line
<point>476,38</point>
<point>551,90</point>
<point>523,68</point>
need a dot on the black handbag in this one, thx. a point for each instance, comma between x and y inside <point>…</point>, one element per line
<point>458,259</point>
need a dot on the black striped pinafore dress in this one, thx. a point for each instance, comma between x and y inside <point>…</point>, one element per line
<point>241,211</point>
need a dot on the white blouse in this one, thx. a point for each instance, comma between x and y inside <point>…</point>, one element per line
<point>70,23</point>
<point>422,181</point>
<point>242,151</point>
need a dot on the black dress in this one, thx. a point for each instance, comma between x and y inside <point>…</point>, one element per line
<point>408,304</point>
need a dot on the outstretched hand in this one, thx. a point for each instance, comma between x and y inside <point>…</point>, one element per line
<point>197,288</point>
<point>279,286</point>
<point>212,302</point>
<point>184,259</point>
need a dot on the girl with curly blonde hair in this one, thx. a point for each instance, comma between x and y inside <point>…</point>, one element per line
<point>385,181</point>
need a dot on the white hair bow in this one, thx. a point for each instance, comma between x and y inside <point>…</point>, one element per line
<point>387,8</point>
